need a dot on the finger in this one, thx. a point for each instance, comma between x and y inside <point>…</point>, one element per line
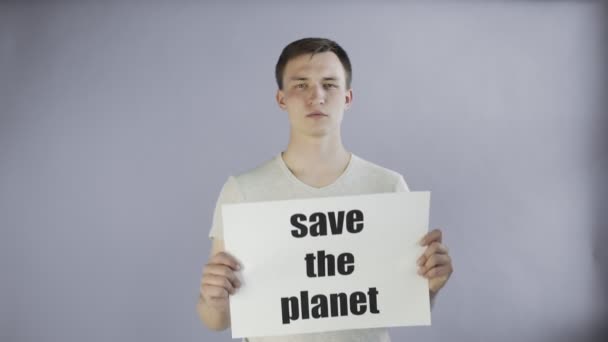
<point>421,260</point>
<point>224,258</point>
<point>439,271</point>
<point>219,281</point>
<point>210,291</point>
<point>435,260</point>
<point>434,235</point>
<point>215,280</point>
<point>223,271</point>
<point>435,248</point>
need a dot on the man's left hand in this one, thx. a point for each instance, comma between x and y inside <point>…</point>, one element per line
<point>435,264</point>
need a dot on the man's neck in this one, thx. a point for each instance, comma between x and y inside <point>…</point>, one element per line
<point>317,161</point>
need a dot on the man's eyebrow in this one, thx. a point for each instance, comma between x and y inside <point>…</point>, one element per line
<point>298,78</point>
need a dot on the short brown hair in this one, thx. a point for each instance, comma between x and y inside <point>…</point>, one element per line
<point>312,45</point>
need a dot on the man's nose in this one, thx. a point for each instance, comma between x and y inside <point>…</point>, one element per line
<point>317,95</point>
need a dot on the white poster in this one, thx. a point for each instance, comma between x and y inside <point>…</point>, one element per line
<point>313,265</point>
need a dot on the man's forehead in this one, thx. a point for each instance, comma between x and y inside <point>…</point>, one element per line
<point>324,64</point>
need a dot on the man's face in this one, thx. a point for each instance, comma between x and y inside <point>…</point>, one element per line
<point>314,94</point>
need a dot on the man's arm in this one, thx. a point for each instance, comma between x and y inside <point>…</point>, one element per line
<point>217,284</point>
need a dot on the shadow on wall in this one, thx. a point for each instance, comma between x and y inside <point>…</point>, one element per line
<point>597,329</point>
<point>600,189</point>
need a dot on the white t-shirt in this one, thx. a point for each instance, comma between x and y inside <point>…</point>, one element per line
<point>273,181</point>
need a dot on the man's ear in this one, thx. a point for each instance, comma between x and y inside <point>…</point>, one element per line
<point>348,99</point>
<point>280,97</point>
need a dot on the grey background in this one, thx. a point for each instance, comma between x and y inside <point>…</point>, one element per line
<point>120,121</point>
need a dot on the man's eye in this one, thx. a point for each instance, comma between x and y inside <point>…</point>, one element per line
<point>329,85</point>
<point>301,85</point>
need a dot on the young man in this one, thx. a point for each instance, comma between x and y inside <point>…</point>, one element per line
<point>314,87</point>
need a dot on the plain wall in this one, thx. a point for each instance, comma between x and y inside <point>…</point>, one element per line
<point>120,121</point>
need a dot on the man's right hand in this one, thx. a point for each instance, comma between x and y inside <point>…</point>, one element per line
<point>219,280</point>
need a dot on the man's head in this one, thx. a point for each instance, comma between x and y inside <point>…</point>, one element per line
<point>311,46</point>
<point>314,75</point>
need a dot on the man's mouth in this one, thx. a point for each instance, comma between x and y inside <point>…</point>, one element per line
<point>316,114</point>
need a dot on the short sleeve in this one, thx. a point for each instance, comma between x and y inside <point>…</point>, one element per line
<point>401,185</point>
<point>229,194</point>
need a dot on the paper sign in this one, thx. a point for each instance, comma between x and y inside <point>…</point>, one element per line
<point>323,264</point>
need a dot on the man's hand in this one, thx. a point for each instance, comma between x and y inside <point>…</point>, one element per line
<point>219,280</point>
<point>435,263</point>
